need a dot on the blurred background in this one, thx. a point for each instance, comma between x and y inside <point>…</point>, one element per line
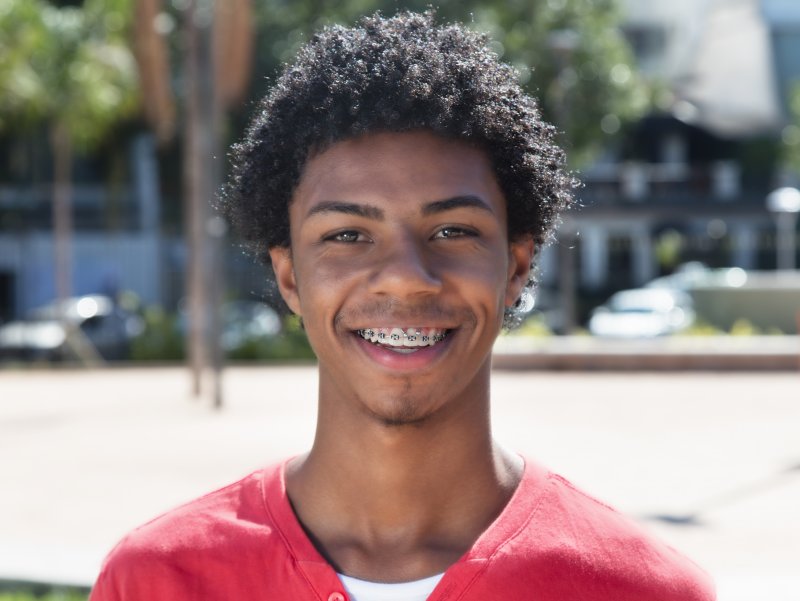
<point>680,117</point>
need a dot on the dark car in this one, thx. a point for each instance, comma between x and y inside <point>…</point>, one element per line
<point>96,325</point>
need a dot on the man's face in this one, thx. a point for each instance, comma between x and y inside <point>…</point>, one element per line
<point>401,269</point>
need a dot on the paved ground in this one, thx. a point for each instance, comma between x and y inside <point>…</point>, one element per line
<point>85,456</point>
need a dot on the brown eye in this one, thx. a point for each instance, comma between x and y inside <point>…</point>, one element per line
<point>347,236</point>
<point>454,232</point>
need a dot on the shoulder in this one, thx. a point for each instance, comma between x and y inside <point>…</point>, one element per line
<point>208,521</point>
<point>578,543</point>
<point>193,537</point>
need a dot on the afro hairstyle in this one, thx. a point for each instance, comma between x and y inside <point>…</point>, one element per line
<point>396,74</point>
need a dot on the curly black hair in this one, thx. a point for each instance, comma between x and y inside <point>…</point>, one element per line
<point>397,73</point>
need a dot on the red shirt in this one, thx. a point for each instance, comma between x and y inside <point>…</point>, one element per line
<point>551,543</point>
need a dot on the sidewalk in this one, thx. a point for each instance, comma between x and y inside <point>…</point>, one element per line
<point>711,462</point>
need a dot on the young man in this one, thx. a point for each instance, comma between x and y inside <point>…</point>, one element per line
<point>399,183</point>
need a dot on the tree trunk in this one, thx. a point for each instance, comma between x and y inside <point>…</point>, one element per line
<point>194,214</point>
<point>234,39</point>
<point>61,146</point>
<point>201,181</point>
<point>76,342</point>
<point>152,58</point>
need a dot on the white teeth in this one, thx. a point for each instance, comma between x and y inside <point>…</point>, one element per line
<point>406,339</point>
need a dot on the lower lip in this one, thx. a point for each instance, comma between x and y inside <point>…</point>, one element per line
<point>419,359</point>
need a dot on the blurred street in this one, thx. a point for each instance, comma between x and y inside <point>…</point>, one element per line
<point>710,462</point>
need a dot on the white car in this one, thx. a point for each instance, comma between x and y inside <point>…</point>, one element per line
<point>642,313</point>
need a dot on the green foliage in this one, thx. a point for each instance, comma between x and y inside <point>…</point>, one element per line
<point>571,54</point>
<point>791,133</point>
<point>70,65</point>
<point>160,339</point>
<point>744,327</point>
<point>26,595</point>
<point>291,344</point>
<point>75,65</point>
<point>668,249</point>
<point>741,327</point>
<point>50,597</point>
<point>533,326</point>
<point>700,328</point>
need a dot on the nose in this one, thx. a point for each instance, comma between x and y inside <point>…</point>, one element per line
<point>405,270</point>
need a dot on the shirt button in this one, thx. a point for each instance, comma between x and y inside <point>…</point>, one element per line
<point>336,597</point>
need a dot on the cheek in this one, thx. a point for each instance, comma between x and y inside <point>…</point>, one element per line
<point>482,278</point>
<point>323,285</point>
<point>488,267</point>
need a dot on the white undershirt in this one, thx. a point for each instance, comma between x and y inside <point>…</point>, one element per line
<point>363,590</point>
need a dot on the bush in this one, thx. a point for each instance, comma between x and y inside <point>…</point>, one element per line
<point>290,344</point>
<point>41,595</point>
<point>534,325</point>
<point>160,339</point>
<point>700,328</point>
<point>743,327</point>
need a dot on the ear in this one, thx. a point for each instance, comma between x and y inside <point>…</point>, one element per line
<point>283,267</point>
<point>520,257</point>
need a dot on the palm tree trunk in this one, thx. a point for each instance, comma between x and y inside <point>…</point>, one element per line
<point>234,40</point>
<point>152,58</point>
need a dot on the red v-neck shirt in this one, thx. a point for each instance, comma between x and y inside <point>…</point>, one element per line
<point>552,542</point>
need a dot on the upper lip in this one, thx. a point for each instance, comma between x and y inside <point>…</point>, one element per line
<point>373,326</point>
<point>400,324</point>
<point>426,317</point>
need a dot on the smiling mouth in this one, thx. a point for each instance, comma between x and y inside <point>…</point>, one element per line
<point>403,340</point>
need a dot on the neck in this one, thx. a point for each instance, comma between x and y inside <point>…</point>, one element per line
<point>401,502</point>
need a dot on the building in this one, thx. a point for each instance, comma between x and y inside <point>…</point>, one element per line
<point>689,181</point>
<point>117,241</point>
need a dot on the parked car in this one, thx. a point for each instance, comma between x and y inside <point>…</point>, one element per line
<point>244,321</point>
<point>642,313</point>
<point>97,320</point>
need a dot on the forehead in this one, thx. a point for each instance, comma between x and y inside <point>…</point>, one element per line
<point>399,171</point>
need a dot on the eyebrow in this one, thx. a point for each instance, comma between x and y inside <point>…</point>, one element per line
<point>348,208</point>
<point>372,212</point>
<point>456,202</point>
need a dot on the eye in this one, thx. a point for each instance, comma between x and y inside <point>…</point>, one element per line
<point>346,237</point>
<point>451,231</point>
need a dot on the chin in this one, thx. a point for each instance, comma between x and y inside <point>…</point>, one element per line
<point>401,411</point>
<point>402,421</point>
